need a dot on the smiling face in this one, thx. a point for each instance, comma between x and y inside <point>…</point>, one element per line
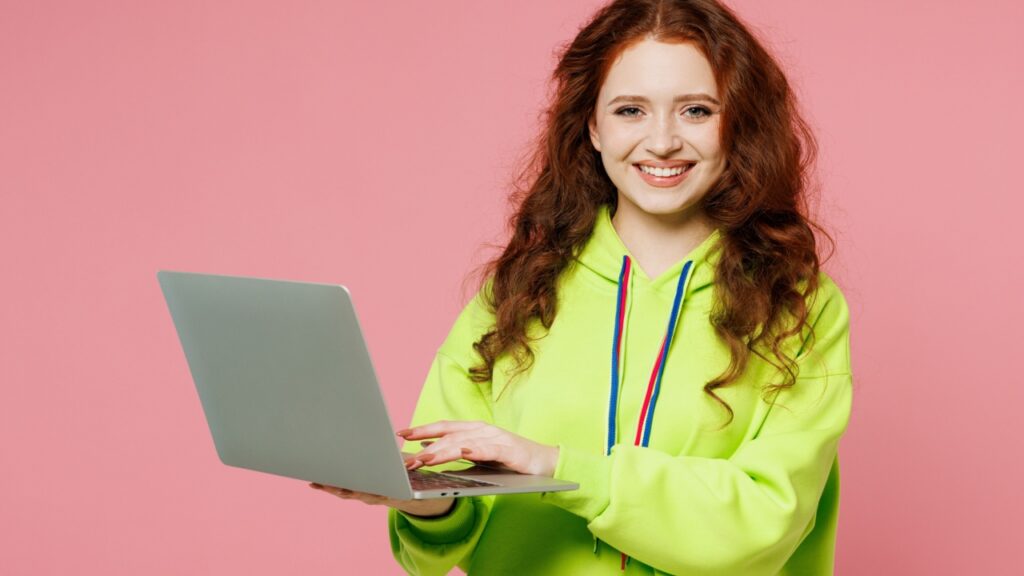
<point>656,125</point>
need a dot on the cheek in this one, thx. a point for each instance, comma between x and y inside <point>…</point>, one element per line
<point>707,141</point>
<point>618,142</point>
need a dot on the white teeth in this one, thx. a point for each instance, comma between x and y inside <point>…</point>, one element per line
<point>664,172</point>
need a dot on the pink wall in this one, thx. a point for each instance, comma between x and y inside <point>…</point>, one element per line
<point>314,140</point>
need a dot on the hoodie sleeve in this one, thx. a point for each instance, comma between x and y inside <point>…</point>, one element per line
<point>426,546</point>
<point>742,515</point>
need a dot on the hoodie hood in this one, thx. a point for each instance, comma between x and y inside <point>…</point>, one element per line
<point>604,250</point>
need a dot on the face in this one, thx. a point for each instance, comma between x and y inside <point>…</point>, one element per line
<point>656,125</point>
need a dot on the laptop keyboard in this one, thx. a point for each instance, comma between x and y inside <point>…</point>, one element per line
<point>423,480</point>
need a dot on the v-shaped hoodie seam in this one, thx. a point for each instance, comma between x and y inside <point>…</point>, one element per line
<point>602,256</point>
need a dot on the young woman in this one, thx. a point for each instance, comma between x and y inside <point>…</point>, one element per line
<point>657,329</point>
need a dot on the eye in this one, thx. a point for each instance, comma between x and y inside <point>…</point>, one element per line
<point>703,112</point>
<point>622,111</point>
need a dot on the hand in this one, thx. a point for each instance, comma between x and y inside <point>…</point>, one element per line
<point>429,507</point>
<point>480,442</point>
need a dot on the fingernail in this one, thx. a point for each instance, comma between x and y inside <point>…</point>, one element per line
<point>466,451</point>
<point>403,432</point>
<point>426,458</point>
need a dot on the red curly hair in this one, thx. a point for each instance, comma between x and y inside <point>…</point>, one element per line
<point>768,265</point>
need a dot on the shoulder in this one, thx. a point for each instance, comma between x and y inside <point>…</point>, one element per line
<point>826,348</point>
<point>828,303</point>
<point>474,320</point>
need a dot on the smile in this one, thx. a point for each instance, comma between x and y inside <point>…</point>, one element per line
<point>664,172</point>
<point>664,177</point>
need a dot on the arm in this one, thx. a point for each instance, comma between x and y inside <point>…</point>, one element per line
<point>435,545</point>
<point>741,515</point>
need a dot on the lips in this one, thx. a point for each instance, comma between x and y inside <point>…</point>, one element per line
<point>666,163</point>
<point>665,181</point>
<point>666,169</point>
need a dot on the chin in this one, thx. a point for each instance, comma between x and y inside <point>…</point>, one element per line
<point>664,206</point>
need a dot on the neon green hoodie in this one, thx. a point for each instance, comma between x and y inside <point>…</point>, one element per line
<point>758,497</point>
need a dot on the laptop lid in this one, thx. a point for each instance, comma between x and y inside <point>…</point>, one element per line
<point>287,386</point>
<point>285,379</point>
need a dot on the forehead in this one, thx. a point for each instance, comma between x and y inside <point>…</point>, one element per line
<point>659,70</point>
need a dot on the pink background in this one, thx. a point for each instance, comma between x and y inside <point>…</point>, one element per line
<point>369,144</point>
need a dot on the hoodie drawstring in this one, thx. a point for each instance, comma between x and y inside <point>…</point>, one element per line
<point>646,420</point>
<point>625,274</point>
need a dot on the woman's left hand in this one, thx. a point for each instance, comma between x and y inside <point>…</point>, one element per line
<point>480,442</point>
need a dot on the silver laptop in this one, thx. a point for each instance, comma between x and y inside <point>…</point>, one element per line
<point>287,386</point>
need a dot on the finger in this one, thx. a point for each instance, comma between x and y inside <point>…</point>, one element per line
<point>439,454</point>
<point>487,452</point>
<point>346,494</point>
<point>371,499</point>
<point>482,434</point>
<point>416,459</point>
<point>334,490</point>
<point>439,428</point>
<point>421,460</point>
<point>449,454</point>
<point>449,446</point>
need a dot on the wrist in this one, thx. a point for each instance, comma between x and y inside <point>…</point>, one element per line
<point>433,508</point>
<point>555,453</point>
<point>549,461</point>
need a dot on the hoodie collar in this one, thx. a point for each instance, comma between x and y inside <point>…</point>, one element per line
<point>604,250</point>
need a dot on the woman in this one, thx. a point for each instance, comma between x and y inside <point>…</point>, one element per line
<point>657,329</point>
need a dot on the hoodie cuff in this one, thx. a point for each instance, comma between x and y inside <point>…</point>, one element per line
<point>592,472</point>
<point>454,526</point>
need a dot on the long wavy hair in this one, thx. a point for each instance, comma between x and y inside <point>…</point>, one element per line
<point>768,262</point>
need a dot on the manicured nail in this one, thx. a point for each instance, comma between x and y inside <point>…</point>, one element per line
<point>427,458</point>
<point>466,451</point>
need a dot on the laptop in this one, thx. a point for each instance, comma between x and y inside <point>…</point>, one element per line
<point>287,386</point>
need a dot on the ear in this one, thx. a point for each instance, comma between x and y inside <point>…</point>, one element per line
<point>592,128</point>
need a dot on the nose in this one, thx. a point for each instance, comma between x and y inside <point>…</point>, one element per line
<point>664,138</point>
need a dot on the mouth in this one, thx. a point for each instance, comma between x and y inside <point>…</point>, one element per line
<point>664,176</point>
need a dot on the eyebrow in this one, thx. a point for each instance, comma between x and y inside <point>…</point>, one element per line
<point>700,97</point>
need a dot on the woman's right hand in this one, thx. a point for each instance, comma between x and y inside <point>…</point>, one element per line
<point>425,508</point>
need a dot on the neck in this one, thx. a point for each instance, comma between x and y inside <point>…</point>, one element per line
<point>657,241</point>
